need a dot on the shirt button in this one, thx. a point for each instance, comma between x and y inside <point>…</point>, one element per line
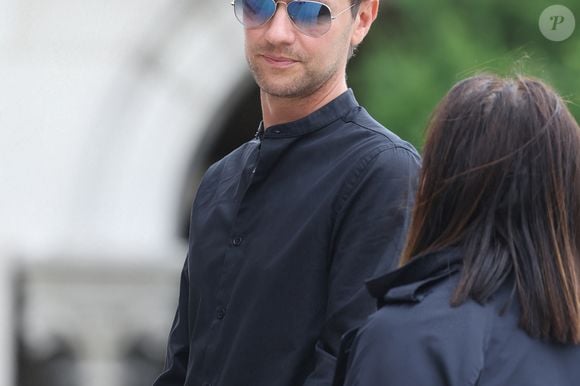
<point>237,241</point>
<point>220,313</point>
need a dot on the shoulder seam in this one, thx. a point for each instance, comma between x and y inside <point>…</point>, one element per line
<point>403,144</point>
<point>361,169</point>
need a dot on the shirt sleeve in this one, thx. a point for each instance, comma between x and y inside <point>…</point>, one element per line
<point>175,369</point>
<point>371,217</point>
<point>419,345</point>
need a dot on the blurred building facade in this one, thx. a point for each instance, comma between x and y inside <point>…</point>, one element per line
<point>109,114</point>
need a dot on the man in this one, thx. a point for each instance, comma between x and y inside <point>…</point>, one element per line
<point>285,229</point>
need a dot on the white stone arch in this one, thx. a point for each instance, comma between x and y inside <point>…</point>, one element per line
<point>128,92</point>
<point>176,89</point>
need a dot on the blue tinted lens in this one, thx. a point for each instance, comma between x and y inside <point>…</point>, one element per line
<point>253,13</point>
<point>310,17</point>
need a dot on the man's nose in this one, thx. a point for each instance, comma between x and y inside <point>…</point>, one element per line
<point>280,28</point>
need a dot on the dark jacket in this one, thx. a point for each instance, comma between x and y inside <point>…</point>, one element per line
<point>416,338</point>
<point>284,231</point>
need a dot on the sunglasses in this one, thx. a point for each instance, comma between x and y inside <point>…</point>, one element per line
<point>309,17</point>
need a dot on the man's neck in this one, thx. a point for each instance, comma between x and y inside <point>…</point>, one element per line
<point>278,110</point>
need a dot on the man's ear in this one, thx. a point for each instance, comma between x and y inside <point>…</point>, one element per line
<point>367,13</point>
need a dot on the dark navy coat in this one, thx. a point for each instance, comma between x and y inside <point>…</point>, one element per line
<point>417,339</point>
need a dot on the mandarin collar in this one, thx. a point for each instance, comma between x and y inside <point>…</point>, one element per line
<point>336,109</point>
<point>419,270</point>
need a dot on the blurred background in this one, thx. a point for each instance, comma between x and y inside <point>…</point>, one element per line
<point>110,112</point>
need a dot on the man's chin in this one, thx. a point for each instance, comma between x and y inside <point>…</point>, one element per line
<point>285,89</point>
<point>281,92</point>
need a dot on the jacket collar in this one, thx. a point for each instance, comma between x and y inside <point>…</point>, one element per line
<point>338,108</point>
<point>410,282</point>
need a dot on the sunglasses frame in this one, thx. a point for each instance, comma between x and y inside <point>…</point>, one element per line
<point>276,2</point>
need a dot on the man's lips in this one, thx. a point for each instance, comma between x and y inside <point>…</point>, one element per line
<point>279,61</point>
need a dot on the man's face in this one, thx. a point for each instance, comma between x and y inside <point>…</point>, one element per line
<point>287,63</point>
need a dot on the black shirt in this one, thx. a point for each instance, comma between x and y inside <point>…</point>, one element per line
<point>284,230</point>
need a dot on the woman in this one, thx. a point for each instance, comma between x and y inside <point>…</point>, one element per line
<point>489,288</point>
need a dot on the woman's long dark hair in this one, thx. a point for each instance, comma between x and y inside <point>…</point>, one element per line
<point>501,179</point>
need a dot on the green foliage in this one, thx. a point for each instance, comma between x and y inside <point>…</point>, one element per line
<point>418,49</point>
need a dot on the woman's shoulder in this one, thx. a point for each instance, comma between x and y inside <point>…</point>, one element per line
<point>425,313</point>
<point>419,295</point>
<point>416,337</point>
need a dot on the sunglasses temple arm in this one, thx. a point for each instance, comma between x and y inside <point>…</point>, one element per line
<point>341,12</point>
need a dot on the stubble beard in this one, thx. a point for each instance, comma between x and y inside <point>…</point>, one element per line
<point>293,85</point>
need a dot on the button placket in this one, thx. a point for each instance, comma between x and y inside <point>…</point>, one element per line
<point>229,269</point>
